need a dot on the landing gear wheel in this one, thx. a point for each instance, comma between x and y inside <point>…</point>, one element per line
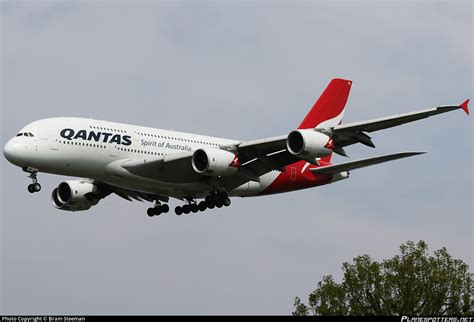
<point>165,208</point>
<point>222,195</point>
<point>157,211</point>
<point>210,204</point>
<point>186,209</point>
<point>219,203</point>
<point>194,207</point>
<point>202,206</point>
<point>31,188</point>
<point>150,212</point>
<point>36,187</point>
<point>178,211</point>
<point>209,199</point>
<point>227,202</point>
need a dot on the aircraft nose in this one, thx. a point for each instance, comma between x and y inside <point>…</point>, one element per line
<point>13,151</point>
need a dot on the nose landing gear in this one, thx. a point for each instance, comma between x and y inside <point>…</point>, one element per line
<point>35,186</point>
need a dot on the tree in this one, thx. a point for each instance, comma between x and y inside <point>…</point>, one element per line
<point>411,283</point>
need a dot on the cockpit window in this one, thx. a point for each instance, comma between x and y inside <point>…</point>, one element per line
<point>25,134</point>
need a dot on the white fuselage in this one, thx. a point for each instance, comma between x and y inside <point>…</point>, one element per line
<point>88,148</point>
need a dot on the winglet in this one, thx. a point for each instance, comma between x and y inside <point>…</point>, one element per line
<point>464,106</point>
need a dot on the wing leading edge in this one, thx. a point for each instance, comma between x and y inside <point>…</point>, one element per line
<point>351,133</point>
<point>343,135</point>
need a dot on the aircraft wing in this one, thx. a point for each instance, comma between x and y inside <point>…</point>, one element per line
<point>347,134</point>
<point>264,155</point>
<point>105,189</point>
<point>347,166</point>
<point>257,158</point>
<point>342,135</point>
<point>261,156</point>
<point>176,167</point>
<point>258,166</point>
<point>257,148</point>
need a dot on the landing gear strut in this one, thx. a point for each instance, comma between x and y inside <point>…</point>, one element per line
<point>35,186</point>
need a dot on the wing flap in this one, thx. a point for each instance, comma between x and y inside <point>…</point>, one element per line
<point>123,195</point>
<point>348,166</point>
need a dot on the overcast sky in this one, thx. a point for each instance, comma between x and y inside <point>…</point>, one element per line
<point>242,70</point>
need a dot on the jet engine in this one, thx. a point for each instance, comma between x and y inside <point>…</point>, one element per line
<point>309,144</point>
<point>74,195</point>
<point>215,162</point>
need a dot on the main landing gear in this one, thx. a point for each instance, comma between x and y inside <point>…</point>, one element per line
<point>35,186</point>
<point>216,199</point>
<point>158,209</point>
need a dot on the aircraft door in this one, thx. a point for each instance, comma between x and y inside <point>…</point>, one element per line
<point>293,173</point>
<point>113,150</point>
<point>53,143</point>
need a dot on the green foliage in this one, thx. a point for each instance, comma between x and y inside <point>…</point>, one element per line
<point>411,283</point>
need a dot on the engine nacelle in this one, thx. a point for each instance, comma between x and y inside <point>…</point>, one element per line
<point>309,144</point>
<point>72,195</point>
<point>215,162</point>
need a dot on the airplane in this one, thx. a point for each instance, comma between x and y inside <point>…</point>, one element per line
<point>154,165</point>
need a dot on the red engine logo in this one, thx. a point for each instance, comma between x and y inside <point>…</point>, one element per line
<point>235,163</point>
<point>330,145</point>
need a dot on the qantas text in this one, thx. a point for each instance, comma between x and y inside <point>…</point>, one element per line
<point>104,137</point>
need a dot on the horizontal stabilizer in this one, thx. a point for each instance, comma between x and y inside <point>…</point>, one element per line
<point>332,169</point>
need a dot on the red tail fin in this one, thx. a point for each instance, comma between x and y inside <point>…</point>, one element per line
<point>329,108</point>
